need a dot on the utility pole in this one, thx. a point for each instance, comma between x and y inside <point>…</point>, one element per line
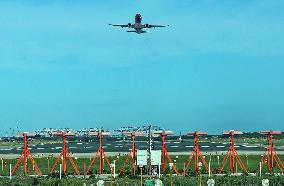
<point>149,150</point>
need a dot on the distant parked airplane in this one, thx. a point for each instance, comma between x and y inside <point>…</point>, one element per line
<point>138,26</point>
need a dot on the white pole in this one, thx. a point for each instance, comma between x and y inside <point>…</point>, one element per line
<point>218,159</point>
<point>60,171</point>
<point>10,171</point>
<point>159,166</point>
<point>209,169</point>
<point>259,168</point>
<point>114,170</point>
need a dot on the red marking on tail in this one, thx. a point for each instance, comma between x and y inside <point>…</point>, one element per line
<point>138,18</point>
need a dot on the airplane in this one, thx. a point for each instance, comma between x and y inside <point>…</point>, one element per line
<point>138,26</point>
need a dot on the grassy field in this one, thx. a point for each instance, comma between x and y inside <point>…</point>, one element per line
<point>127,179</point>
<point>45,165</point>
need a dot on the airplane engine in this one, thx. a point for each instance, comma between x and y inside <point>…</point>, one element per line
<point>129,25</point>
<point>146,25</point>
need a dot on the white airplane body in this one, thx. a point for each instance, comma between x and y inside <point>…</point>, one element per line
<point>138,26</point>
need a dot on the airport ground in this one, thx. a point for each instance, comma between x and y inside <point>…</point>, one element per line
<point>126,178</point>
<point>86,146</point>
<point>45,164</point>
<point>46,151</point>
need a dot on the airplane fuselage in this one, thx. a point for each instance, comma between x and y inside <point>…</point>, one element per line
<point>138,24</point>
<point>138,28</point>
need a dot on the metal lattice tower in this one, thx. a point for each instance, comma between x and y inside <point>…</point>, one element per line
<point>26,154</point>
<point>99,153</point>
<point>232,154</point>
<point>63,156</point>
<point>196,154</point>
<point>165,154</point>
<point>270,157</point>
<point>132,153</point>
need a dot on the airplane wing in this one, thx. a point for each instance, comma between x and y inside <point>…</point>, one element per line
<point>122,26</point>
<point>154,26</point>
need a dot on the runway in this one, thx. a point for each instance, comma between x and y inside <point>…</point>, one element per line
<point>125,146</point>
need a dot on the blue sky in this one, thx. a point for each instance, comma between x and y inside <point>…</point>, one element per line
<point>219,66</point>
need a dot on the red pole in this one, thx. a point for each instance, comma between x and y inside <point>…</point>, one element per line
<point>64,163</point>
<point>26,148</point>
<point>196,150</point>
<point>270,144</point>
<point>232,158</point>
<point>133,153</point>
<point>163,153</point>
<point>101,153</point>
